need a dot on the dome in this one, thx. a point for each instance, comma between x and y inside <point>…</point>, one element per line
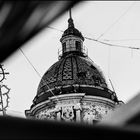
<point>72,74</point>
<point>74,88</point>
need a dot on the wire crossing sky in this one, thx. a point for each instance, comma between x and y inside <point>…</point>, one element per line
<point>123,14</point>
<point>36,70</point>
<point>116,52</point>
<point>97,40</point>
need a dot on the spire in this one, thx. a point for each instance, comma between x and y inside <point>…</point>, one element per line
<point>71,30</point>
<point>70,13</point>
<point>70,20</point>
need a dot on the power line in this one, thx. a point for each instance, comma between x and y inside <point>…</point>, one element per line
<point>54,28</point>
<point>109,40</point>
<point>116,21</point>
<point>36,71</point>
<point>102,42</point>
<point>109,58</point>
<point>112,85</point>
<point>29,62</point>
<point>109,44</point>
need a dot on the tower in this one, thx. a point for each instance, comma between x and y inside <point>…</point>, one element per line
<point>74,88</point>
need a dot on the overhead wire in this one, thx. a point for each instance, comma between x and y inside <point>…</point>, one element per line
<point>109,58</point>
<point>54,28</point>
<point>99,41</point>
<point>116,20</point>
<point>37,72</point>
<point>119,40</point>
<point>110,44</point>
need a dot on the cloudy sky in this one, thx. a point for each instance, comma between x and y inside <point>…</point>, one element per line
<point>113,22</point>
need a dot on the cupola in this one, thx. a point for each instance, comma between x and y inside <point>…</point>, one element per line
<point>72,39</point>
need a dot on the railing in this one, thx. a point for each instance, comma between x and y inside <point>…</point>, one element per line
<point>83,50</point>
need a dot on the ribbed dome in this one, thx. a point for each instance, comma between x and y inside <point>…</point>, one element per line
<point>69,71</point>
<point>72,89</point>
<point>74,72</point>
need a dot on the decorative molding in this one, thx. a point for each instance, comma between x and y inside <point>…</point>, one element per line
<point>75,107</point>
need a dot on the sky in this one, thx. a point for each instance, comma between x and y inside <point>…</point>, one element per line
<point>117,21</point>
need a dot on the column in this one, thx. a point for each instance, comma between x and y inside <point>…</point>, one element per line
<point>78,115</point>
<point>58,116</point>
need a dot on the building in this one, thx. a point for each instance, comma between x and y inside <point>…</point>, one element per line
<point>74,88</point>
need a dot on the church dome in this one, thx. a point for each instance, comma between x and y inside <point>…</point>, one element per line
<point>73,73</point>
<point>74,88</point>
<point>71,70</point>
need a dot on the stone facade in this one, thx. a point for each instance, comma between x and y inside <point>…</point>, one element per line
<point>74,107</point>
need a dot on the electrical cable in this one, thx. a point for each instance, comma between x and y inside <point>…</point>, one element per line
<point>54,28</point>
<point>109,58</point>
<point>116,21</point>
<point>36,71</point>
<point>109,40</point>
<point>102,42</point>
<point>109,44</point>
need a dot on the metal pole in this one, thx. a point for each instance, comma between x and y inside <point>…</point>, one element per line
<point>70,13</point>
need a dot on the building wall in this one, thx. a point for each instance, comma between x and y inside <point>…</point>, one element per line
<point>74,107</point>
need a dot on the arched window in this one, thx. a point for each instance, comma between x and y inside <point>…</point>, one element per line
<point>78,45</point>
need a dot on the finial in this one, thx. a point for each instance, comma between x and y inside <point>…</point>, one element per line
<point>70,13</point>
<point>70,20</point>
